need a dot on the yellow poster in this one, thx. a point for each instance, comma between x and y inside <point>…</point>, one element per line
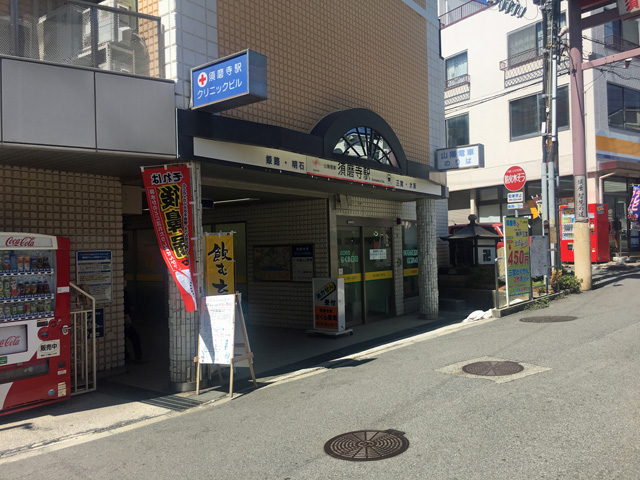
<point>220,264</point>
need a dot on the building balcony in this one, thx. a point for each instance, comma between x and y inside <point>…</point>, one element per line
<point>523,58</point>
<point>527,66</point>
<point>457,81</point>
<point>457,89</point>
<point>462,12</point>
<point>83,34</point>
<point>619,44</point>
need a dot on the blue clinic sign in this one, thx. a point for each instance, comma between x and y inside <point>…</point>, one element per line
<point>229,82</point>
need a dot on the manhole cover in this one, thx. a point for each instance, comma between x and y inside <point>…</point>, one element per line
<point>493,369</point>
<point>547,319</point>
<point>366,445</point>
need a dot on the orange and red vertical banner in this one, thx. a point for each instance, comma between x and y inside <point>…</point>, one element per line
<point>169,198</point>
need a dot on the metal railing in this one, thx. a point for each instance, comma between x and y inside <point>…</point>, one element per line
<point>462,12</point>
<point>107,36</point>
<point>619,44</point>
<point>84,373</point>
<point>522,58</point>
<point>457,81</point>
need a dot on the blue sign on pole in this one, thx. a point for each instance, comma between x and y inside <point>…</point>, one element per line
<point>229,82</point>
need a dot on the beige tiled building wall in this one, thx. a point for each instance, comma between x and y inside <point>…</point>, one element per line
<point>281,223</point>
<point>149,32</point>
<point>331,55</point>
<point>87,209</point>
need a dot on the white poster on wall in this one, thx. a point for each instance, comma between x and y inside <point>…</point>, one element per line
<point>94,272</point>
<point>217,325</point>
<point>377,254</point>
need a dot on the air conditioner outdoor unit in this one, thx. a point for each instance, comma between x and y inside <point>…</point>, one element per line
<point>116,59</point>
<point>112,27</point>
<point>60,34</point>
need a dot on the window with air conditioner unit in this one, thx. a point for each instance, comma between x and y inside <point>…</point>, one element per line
<point>112,27</point>
<point>114,32</point>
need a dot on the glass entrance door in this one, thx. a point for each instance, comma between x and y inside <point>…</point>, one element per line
<point>350,264</point>
<point>379,291</point>
<point>619,242</point>
<point>365,263</point>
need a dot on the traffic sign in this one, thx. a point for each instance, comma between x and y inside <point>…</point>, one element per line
<point>515,197</point>
<point>514,178</point>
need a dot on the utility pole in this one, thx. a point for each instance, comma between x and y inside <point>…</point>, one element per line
<point>549,175</point>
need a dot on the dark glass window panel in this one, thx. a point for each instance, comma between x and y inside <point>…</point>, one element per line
<point>527,114</point>
<point>631,109</point>
<point>562,106</point>
<point>457,131</point>
<point>524,116</point>
<point>613,28</point>
<point>615,105</point>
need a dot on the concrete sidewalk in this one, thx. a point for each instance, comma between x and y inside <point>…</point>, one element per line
<point>116,404</point>
<point>279,354</point>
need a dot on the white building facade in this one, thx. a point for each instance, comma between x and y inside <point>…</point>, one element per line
<point>493,97</point>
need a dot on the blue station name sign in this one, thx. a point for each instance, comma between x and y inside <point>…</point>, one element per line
<point>229,82</point>
<point>469,156</point>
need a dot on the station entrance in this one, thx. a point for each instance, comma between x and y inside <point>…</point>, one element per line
<point>366,264</point>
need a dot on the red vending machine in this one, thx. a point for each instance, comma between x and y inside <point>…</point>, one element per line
<point>598,228</point>
<point>567,218</point>
<point>34,321</point>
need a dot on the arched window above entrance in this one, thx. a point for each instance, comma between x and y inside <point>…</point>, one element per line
<point>367,144</point>
<point>361,137</point>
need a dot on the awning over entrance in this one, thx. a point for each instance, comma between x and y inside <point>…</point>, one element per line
<point>255,155</point>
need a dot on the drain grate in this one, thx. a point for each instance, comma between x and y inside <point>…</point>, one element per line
<point>547,319</point>
<point>366,445</point>
<point>493,369</point>
<point>173,402</point>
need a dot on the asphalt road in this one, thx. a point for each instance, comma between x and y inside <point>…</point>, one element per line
<point>573,413</point>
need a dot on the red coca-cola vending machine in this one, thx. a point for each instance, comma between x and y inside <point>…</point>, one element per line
<point>567,219</point>
<point>34,321</point>
<point>598,230</point>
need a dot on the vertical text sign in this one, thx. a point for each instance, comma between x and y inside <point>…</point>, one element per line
<point>169,199</point>
<point>516,234</point>
<point>220,264</point>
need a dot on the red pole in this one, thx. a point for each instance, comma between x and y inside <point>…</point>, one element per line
<point>581,239</point>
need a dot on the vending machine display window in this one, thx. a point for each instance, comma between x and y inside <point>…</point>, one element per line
<point>27,283</point>
<point>13,339</point>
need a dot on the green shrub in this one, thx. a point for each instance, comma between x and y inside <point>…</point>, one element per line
<point>566,280</point>
<point>538,304</point>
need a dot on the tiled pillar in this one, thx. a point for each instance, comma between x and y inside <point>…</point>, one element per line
<point>183,347</point>
<point>398,269</point>
<point>428,258</point>
<point>184,327</point>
